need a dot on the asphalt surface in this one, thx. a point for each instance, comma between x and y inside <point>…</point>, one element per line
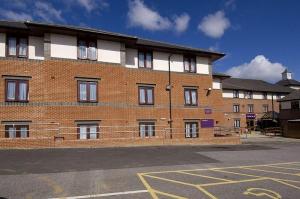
<point>128,172</point>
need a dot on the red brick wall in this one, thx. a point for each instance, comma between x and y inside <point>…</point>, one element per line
<point>53,98</point>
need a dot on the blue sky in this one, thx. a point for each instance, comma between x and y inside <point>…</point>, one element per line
<point>260,38</point>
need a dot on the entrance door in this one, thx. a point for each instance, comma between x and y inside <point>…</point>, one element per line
<point>250,124</point>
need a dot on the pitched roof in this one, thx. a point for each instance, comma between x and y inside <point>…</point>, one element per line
<point>127,39</point>
<point>288,82</point>
<point>295,95</point>
<point>253,85</point>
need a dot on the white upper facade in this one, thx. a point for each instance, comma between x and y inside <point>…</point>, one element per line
<point>241,94</point>
<point>66,47</point>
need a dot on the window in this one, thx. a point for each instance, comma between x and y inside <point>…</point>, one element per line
<point>146,95</point>
<point>17,46</point>
<point>237,123</point>
<point>235,94</point>
<point>236,108</point>
<point>250,108</point>
<point>295,105</point>
<point>265,108</point>
<point>190,97</point>
<point>16,131</point>
<point>87,50</point>
<point>265,95</point>
<point>189,63</point>
<point>16,90</point>
<point>191,129</point>
<point>146,129</point>
<point>248,94</point>
<point>87,91</point>
<point>278,96</point>
<point>88,131</point>
<point>145,59</point>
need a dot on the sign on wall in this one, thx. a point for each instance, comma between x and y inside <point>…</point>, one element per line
<point>250,116</point>
<point>207,111</point>
<point>207,123</point>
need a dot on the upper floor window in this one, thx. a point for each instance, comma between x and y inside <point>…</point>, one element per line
<point>145,59</point>
<point>265,108</point>
<point>87,50</point>
<point>190,97</point>
<point>189,64</point>
<point>265,95</point>
<point>235,94</point>
<point>191,129</point>
<point>295,105</point>
<point>146,95</point>
<point>278,96</point>
<point>88,131</point>
<point>236,108</point>
<point>237,123</point>
<point>146,129</point>
<point>16,131</point>
<point>16,90</point>
<point>17,46</point>
<point>250,108</point>
<point>248,94</point>
<point>87,91</point>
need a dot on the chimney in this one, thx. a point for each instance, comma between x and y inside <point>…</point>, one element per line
<point>286,75</point>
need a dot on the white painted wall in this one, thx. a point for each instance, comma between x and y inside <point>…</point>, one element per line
<point>216,83</point>
<point>285,105</point>
<point>161,62</point>
<point>258,95</point>
<point>203,65</point>
<point>63,46</point>
<point>109,51</point>
<point>2,44</point>
<point>227,93</point>
<point>131,58</point>
<point>241,94</point>
<point>36,48</point>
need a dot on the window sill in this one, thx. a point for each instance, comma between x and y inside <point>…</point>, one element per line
<point>8,101</point>
<point>191,106</point>
<point>145,105</point>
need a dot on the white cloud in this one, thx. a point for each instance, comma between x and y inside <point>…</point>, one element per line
<point>16,16</point>
<point>142,16</point>
<point>214,25</point>
<point>47,12</point>
<point>259,68</point>
<point>181,22</point>
<point>90,5</point>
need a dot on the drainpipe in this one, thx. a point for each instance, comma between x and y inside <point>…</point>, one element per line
<point>273,116</point>
<point>169,88</point>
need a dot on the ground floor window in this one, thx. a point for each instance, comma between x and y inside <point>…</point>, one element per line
<point>147,129</point>
<point>191,129</point>
<point>16,131</point>
<point>88,131</point>
<point>237,123</point>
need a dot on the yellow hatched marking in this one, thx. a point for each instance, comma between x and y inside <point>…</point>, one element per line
<point>168,194</point>
<point>271,171</point>
<point>291,185</point>
<point>236,173</point>
<point>169,180</point>
<point>233,182</point>
<point>287,168</point>
<point>204,176</point>
<point>206,192</point>
<point>148,187</point>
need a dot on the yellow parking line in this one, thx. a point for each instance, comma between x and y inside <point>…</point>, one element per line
<point>271,171</point>
<point>291,185</point>
<point>242,174</point>
<point>233,182</point>
<point>206,192</point>
<point>152,193</point>
<point>288,168</point>
<point>204,176</point>
<point>168,194</point>
<point>169,180</point>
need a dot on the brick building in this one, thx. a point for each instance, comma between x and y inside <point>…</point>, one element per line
<point>245,101</point>
<point>70,86</point>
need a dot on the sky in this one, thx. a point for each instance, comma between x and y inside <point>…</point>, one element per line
<point>259,37</point>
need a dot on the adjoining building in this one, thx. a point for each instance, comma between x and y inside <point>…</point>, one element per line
<point>288,81</point>
<point>72,86</point>
<point>290,114</point>
<point>246,101</point>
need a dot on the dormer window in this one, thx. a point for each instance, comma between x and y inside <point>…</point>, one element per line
<point>145,59</point>
<point>17,46</point>
<point>87,50</point>
<point>189,64</point>
<point>248,94</point>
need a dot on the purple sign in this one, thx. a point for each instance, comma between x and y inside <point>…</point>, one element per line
<point>207,111</point>
<point>250,116</point>
<point>207,123</point>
